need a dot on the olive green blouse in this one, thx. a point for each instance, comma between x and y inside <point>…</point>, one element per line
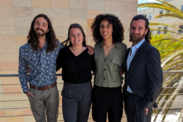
<point>107,72</point>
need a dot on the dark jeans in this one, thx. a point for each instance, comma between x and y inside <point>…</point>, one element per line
<point>76,101</point>
<point>134,111</point>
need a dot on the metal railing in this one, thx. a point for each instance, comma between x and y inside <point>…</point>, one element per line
<point>26,100</point>
<point>23,100</point>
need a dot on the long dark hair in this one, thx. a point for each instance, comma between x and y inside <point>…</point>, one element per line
<point>138,17</point>
<point>118,30</point>
<point>75,25</point>
<point>51,37</point>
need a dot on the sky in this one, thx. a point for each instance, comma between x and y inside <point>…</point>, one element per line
<point>144,1</point>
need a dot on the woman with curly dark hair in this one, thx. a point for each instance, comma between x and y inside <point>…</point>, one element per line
<point>109,57</point>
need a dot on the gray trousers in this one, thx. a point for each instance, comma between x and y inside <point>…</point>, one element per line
<point>76,101</point>
<point>45,100</point>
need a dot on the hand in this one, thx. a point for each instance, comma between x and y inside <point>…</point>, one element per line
<point>28,69</point>
<point>121,72</point>
<point>90,50</point>
<point>28,93</point>
<point>146,110</point>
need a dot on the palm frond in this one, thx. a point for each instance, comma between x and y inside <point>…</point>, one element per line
<point>180,117</point>
<point>160,6</point>
<point>155,29</point>
<point>169,5</point>
<point>163,24</point>
<point>165,97</point>
<point>172,97</point>
<point>166,56</point>
<point>175,39</point>
<point>172,56</point>
<point>169,15</point>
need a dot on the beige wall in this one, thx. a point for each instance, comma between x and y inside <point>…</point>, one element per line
<point>168,20</point>
<point>15,19</point>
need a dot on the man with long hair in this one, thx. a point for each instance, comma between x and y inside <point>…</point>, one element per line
<point>40,54</point>
<point>143,79</point>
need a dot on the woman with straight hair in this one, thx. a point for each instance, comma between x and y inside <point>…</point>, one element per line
<point>109,58</point>
<point>76,66</point>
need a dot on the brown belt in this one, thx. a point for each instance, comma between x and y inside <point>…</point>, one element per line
<point>43,88</point>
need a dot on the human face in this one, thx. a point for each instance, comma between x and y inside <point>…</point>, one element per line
<point>76,37</point>
<point>41,27</point>
<point>106,30</point>
<point>137,31</point>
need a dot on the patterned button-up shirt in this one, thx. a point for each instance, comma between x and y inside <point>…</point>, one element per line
<point>42,66</point>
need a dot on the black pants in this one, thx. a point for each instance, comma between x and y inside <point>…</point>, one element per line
<point>107,100</point>
<point>135,112</point>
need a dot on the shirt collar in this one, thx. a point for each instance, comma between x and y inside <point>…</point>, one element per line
<point>45,46</point>
<point>137,46</point>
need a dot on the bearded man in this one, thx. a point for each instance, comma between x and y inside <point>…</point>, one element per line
<point>143,78</point>
<point>40,54</point>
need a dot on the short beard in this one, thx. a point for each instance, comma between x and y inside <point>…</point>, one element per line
<point>138,39</point>
<point>39,34</point>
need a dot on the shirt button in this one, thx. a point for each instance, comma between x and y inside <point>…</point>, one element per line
<point>104,78</point>
<point>104,59</point>
<point>104,69</point>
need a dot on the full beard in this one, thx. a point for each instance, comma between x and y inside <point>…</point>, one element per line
<point>138,39</point>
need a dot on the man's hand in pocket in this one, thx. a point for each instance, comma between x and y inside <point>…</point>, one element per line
<point>28,93</point>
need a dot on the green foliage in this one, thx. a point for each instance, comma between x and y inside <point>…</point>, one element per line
<point>171,56</point>
<point>168,46</point>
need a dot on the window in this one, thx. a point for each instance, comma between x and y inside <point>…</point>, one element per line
<point>159,32</point>
<point>161,12</point>
<point>167,11</point>
<point>150,15</point>
<point>182,8</point>
<point>165,32</point>
<point>181,27</point>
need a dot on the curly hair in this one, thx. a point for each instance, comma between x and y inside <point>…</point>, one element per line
<point>118,30</point>
<point>75,25</point>
<point>51,37</point>
<point>138,17</point>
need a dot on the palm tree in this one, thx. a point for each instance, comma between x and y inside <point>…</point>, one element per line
<point>172,12</point>
<point>171,51</point>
